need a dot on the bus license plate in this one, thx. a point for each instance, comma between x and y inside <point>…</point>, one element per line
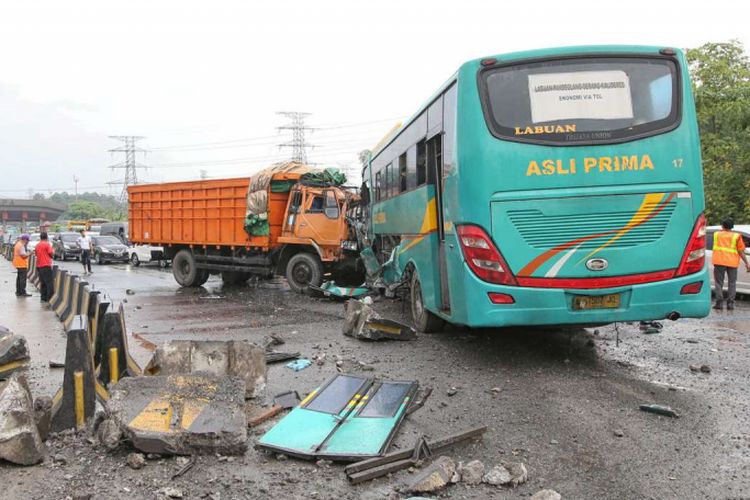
<point>611,301</point>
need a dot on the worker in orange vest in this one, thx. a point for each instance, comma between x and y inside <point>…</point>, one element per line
<point>728,249</point>
<point>21,263</point>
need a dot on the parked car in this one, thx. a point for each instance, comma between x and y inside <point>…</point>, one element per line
<point>146,253</point>
<point>65,245</point>
<point>108,249</point>
<point>117,229</point>
<point>743,277</point>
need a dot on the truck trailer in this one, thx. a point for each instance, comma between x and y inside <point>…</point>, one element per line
<point>284,221</point>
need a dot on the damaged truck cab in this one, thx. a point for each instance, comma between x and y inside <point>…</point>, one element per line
<point>286,220</point>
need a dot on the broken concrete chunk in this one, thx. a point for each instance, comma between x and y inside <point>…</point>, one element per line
<point>136,460</point>
<point>219,358</point>
<point>497,476</point>
<point>362,322</point>
<point>43,415</point>
<point>433,478</point>
<point>518,473</point>
<point>20,441</point>
<point>181,414</point>
<point>546,495</point>
<point>14,352</point>
<point>472,472</point>
<point>109,434</point>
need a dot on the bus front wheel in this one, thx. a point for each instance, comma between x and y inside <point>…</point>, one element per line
<point>424,320</point>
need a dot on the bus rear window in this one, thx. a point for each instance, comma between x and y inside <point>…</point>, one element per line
<point>581,100</point>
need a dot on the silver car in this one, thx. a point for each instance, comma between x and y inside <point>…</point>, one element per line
<point>743,277</point>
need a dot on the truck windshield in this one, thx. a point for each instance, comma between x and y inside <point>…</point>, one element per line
<point>581,100</point>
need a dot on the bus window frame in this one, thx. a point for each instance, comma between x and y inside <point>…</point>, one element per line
<point>677,98</point>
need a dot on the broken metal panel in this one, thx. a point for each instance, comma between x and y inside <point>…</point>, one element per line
<point>369,430</point>
<point>348,418</point>
<point>330,289</point>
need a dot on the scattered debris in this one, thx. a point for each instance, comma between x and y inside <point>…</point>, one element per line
<point>518,472</point>
<point>56,364</point>
<point>130,291</point>
<point>136,460</point>
<point>497,476</point>
<point>14,352</point>
<point>220,358</point>
<point>618,433</point>
<point>452,391</point>
<point>171,492</point>
<point>660,410</point>
<point>256,418</point>
<point>273,340</point>
<point>433,478</point>
<point>299,364</point>
<point>398,460</point>
<point>185,467</point>
<point>181,414</point>
<point>330,289</point>
<point>276,356</point>
<point>705,369</point>
<point>362,322</point>
<point>695,368</point>
<point>546,495</point>
<point>109,434</point>
<point>651,327</point>
<point>286,400</point>
<point>419,400</point>
<point>20,441</point>
<point>43,415</point>
<point>347,418</point>
<point>472,473</point>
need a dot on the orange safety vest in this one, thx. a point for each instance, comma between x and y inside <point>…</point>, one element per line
<point>726,251</point>
<point>19,262</point>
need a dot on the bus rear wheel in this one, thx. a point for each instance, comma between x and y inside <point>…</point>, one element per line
<point>424,320</point>
<point>185,270</point>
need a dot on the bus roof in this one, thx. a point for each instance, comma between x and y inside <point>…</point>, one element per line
<point>516,56</point>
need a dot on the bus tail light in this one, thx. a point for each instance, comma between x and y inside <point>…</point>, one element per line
<point>694,257</point>
<point>692,288</point>
<point>501,298</point>
<point>483,257</point>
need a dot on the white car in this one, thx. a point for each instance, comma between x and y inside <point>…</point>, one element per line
<point>743,277</point>
<point>34,240</point>
<point>146,253</point>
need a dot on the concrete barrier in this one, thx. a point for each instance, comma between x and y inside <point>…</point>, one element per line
<point>56,298</point>
<point>65,295</point>
<point>31,274</point>
<point>76,294</point>
<point>99,309</point>
<point>80,304</point>
<point>112,357</point>
<point>74,403</point>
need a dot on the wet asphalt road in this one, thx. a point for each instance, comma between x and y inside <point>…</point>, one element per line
<point>562,395</point>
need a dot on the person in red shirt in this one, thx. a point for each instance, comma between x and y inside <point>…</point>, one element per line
<point>44,252</point>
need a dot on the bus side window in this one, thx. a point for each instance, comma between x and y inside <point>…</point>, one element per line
<point>421,162</point>
<point>378,186</point>
<point>387,183</point>
<point>402,172</point>
<point>411,167</point>
<point>434,157</point>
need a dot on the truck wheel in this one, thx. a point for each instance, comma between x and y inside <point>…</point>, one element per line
<point>234,277</point>
<point>304,269</point>
<point>185,270</point>
<point>135,260</point>
<point>424,320</point>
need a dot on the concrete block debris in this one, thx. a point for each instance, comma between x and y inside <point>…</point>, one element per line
<point>220,358</point>
<point>659,410</point>
<point>362,322</point>
<point>20,442</point>
<point>287,399</point>
<point>434,477</point>
<point>546,495</point>
<point>14,352</point>
<point>181,414</point>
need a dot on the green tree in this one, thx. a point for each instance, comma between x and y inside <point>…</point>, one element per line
<point>721,83</point>
<point>83,210</point>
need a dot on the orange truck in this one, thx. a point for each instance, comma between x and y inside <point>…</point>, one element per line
<point>202,226</point>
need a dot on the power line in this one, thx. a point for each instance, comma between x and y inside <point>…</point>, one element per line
<point>129,165</point>
<point>298,128</point>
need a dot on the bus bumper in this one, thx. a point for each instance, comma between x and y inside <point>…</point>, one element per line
<point>546,306</point>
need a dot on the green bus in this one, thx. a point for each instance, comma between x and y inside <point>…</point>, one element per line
<point>547,187</point>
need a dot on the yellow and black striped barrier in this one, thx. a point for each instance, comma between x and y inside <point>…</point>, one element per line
<point>74,403</point>
<point>31,274</point>
<point>65,295</point>
<point>111,354</point>
<point>57,295</point>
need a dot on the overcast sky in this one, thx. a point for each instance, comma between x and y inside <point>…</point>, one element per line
<point>202,81</point>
